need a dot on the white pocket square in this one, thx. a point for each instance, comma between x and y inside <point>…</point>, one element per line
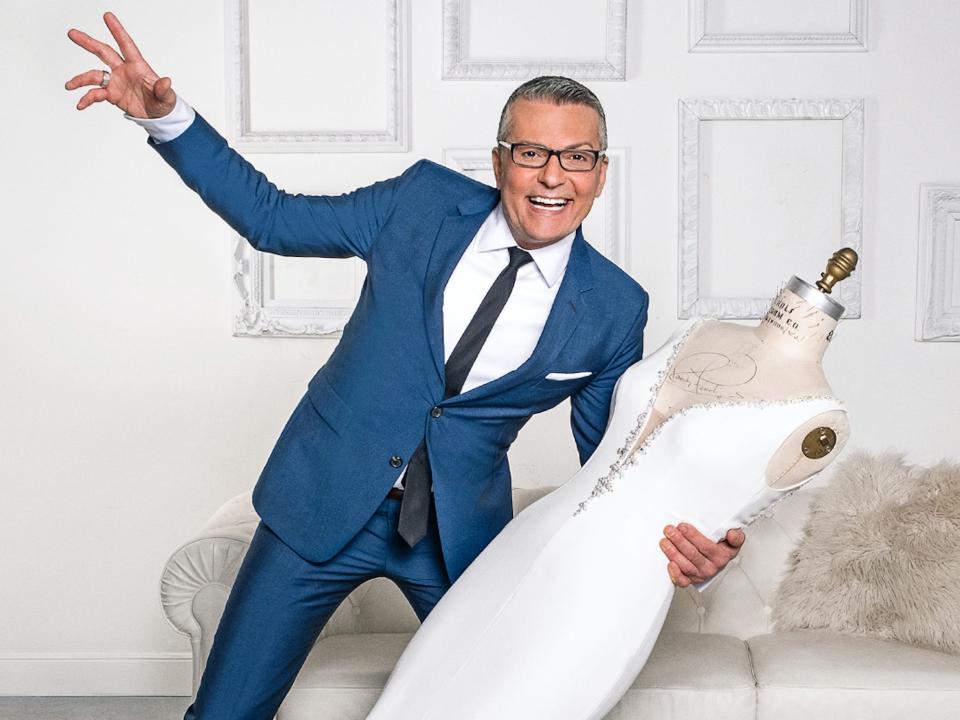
<point>568,376</point>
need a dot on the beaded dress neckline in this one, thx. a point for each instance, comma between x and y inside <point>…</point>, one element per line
<point>626,457</point>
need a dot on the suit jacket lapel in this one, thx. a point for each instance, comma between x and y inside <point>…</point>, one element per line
<point>456,232</point>
<point>569,308</point>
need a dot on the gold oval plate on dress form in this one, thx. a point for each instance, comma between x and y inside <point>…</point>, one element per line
<point>819,442</point>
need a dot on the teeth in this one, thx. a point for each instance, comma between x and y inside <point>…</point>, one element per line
<point>549,201</point>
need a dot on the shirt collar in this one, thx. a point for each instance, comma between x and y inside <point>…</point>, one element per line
<point>551,260</point>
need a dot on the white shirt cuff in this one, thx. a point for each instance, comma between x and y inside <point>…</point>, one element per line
<point>169,126</point>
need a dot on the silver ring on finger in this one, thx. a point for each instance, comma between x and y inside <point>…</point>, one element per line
<point>105,80</point>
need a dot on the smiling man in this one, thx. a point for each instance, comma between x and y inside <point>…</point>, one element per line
<point>481,308</point>
<point>544,201</point>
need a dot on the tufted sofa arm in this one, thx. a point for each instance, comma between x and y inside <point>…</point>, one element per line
<point>197,579</point>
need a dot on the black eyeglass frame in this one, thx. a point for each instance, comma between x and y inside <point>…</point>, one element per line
<point>597,154</point>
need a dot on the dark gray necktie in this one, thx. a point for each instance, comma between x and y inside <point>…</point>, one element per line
<point>415,506</point>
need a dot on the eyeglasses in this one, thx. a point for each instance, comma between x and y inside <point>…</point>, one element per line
<point>536,156</point>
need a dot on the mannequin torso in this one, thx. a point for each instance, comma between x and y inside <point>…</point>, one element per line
<point>778,359</point>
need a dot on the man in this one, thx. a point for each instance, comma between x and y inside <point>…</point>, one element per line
<point>481,307</point>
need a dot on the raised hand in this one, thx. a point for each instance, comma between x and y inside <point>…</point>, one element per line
<point>133,86</point>
<point>694,557</point>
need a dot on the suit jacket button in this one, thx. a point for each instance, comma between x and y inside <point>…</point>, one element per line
<point>396,461</point>
<point>436,411</point>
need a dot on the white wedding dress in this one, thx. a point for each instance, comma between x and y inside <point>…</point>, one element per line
<point>557,615</point>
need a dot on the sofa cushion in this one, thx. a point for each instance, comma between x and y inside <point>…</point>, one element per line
<point>692,675</point>
<point>687,675</point>
<point>819,673</point>
<point>343,676</point>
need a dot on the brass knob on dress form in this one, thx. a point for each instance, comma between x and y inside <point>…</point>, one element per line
<point>839,266</point>
<point>819,442</point>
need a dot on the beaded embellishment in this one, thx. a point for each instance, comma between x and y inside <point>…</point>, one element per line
<point>625,459</point>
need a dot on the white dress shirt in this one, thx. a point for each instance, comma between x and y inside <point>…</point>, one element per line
<point>516,331</point>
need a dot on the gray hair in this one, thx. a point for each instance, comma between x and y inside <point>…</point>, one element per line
<point>558,90</point>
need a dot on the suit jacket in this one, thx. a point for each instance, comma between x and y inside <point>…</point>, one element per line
<point>370,404</point>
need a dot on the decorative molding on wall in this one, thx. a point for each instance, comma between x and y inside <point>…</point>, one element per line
<point>457,66</point>
<point>613,241</point>
<point>938,284</point>
<point>259,316</point>
<point>692,113</point>
<point>702,40</point>
<point>394,137</point>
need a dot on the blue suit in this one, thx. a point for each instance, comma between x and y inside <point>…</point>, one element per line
<point>371,402</point>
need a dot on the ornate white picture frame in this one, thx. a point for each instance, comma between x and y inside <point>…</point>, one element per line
<point>458,65</point>
<point>938,264</point>
<point>258,313</point>
<point>692,113</point>
<point>611,240</point>
<point>704,39</point>
<point>395,131</point>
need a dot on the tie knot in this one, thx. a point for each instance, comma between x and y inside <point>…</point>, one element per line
<point>518,256</point>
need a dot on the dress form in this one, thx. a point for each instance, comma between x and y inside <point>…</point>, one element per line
<point>520,634</point>
<point>777,359</point>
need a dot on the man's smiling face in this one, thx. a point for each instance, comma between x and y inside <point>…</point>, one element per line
<point>543,205</point>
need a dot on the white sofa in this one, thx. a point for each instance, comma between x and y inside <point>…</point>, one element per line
<point>716,658</point>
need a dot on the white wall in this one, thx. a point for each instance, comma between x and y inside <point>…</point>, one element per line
<point>129,412</point>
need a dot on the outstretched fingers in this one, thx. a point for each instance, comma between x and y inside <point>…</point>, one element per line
<point>103,51</point>
<point>91,77</point>
<point>91,97</point>
<point>124,41</point>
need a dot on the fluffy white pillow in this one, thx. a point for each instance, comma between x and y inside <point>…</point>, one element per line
<point>880,555</point>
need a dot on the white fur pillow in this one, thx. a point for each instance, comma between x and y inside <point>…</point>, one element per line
<point>880,555</point>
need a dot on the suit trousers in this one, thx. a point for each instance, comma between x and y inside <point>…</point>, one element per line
<point>280,602</point>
